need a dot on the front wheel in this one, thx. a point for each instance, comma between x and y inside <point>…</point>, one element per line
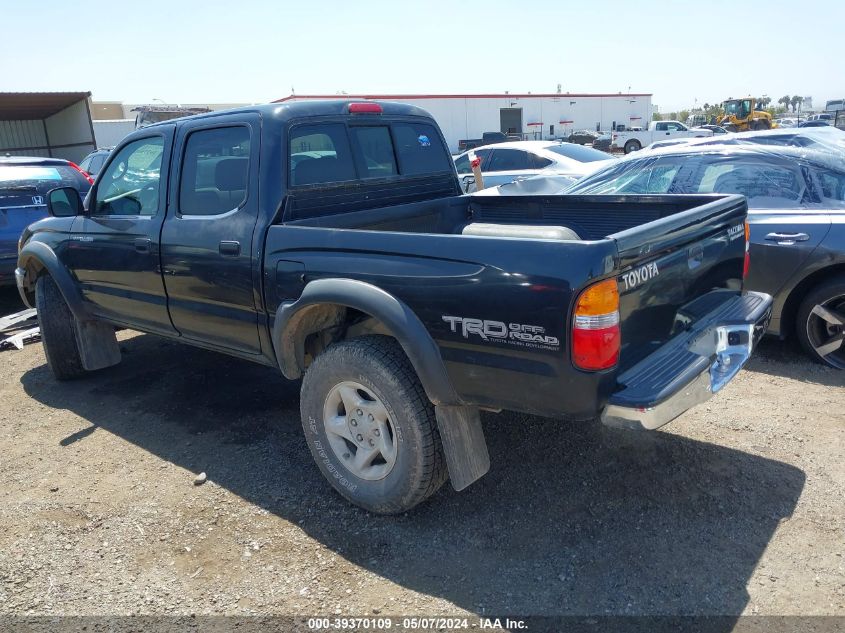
<point>632,146</point>
<point>820,324</point>
<point>370,426</point>
<point>58,330</point>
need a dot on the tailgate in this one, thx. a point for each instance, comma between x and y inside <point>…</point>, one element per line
<point>14,218</point>
<point>669,268</point>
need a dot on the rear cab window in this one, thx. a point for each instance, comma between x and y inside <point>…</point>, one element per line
<point>419,149</point>
<point>339,152</point>
<point>320,154</point>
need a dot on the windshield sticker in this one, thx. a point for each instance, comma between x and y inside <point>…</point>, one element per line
<point>26,172</point>
<point>424,141</point>
<point>640,275</point>
<point>515,334</point>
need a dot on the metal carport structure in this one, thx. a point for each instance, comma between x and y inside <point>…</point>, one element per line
<point>51,124</point>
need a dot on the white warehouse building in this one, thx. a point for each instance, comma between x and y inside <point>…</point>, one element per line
<point>534,116</point>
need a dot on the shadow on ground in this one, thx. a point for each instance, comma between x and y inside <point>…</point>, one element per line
<point>786,359</point>
<point>572,519</point>
<point>10,301</point>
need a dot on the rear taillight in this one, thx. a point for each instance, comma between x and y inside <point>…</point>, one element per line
<point>596,338</point>
<point>83,172</point>
<point>746,264</point>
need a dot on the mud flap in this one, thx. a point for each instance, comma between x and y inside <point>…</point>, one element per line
<point>463,444</point>
<point>97,344</point>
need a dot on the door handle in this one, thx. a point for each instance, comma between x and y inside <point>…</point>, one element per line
<point>143,244</point>
<point>787,237</point>
<point>230,248</point>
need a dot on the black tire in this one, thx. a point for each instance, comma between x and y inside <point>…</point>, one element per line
<point>632,146</point>
<point>759,126</point>
<point>58,335</point>
<point>379,364</point>
<point>813,331</point>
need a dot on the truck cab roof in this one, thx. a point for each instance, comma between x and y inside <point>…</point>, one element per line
<point>284,112</point>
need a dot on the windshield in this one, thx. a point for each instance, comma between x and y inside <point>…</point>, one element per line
<point>578,152</point>
<point>653,175</point>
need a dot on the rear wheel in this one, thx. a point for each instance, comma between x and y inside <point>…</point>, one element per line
<point>759,126</point>
<point>633,146</point>
<point>370,426</point>
<point>820,324</point>
<point>58,330</point>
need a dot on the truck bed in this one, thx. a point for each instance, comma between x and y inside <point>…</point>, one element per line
<point>417,253</point>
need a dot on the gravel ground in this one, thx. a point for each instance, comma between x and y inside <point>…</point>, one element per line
<point>738,507</point>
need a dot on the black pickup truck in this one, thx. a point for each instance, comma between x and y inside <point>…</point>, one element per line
<point>330,240</point>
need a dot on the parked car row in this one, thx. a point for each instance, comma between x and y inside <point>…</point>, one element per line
<point>502,163</point>
<point>794,181</point>
<point>631,141</point>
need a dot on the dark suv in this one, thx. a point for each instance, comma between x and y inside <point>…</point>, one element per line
<point>92,163</point>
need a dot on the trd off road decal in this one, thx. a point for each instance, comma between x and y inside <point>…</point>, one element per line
<point>512,333</point>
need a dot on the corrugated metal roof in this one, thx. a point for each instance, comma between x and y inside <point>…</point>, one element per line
<point>36,105</point>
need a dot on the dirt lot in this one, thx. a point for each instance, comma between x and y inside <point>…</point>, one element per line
<point>737,507</point>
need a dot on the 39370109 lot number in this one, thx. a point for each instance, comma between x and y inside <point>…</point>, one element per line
<point>383,624</point>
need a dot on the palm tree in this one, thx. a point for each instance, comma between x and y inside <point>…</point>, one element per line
<point>785,100</point>
<point>796,102</point>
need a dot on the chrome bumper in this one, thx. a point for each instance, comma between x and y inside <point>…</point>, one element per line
<point>721,349</point>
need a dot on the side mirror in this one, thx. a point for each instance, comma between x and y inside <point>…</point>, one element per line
<point>64,202</point>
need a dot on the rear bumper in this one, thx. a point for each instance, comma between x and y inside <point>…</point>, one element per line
<point>691,367</point>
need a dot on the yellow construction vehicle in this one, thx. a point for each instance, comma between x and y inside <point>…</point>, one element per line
<point>741,115</point>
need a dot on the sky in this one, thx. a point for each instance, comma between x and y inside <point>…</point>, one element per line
<point>251,51</point>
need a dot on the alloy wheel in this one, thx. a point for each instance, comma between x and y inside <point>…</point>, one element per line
<point>360,431</point>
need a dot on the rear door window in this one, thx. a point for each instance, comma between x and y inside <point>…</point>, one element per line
<point>509,160</point>
<point>539,162</point>
<point>765,185</point>
<point>96,163</point>
<point>320,154</point>
<point>637,177</point>
<point>832,186</point>
<point>462,164</point>
<point>215,171</point>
